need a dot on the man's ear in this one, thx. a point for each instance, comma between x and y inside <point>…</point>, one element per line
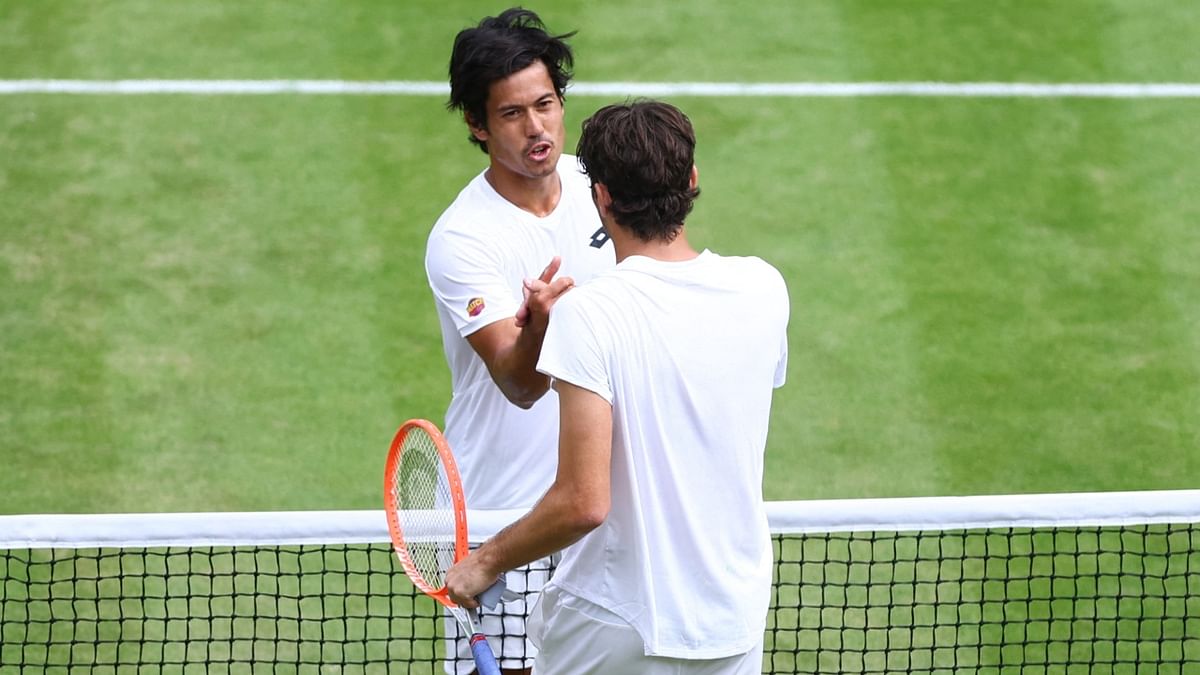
<point>695,179</point>
<point>480,132</point>
<point>602,198</point>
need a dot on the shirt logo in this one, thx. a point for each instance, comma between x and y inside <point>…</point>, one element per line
<point>475,306</point>
<point>599,237</point>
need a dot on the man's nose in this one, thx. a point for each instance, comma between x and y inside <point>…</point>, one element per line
<point>534,126</point>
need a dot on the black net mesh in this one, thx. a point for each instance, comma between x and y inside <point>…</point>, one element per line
<point>1071,600</point>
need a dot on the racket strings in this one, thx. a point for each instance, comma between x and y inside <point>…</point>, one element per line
<point>426,511</point>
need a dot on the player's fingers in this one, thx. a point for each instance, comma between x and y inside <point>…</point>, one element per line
<point>560,286</point>
<point>458,587</point>
<point>542,293</point>
<point>551,269</point>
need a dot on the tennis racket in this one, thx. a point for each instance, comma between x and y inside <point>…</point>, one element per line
<point>427,519</point>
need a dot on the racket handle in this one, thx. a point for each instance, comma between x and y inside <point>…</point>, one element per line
<point>494,594</point>
<point>485,660</point>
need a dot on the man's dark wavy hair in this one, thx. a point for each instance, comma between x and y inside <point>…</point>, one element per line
<point>643,152</point>
<point>498,47</point>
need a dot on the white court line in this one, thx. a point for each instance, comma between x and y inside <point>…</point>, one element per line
<point>730,89</point>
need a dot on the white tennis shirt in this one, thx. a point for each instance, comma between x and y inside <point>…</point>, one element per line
<point>476,258</point>
<point>688,354</point>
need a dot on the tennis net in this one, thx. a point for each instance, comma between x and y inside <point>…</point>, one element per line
<point>1070,583</point>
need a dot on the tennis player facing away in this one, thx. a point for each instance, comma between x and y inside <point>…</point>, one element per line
<point>516,237</point>
<point>665,367</point>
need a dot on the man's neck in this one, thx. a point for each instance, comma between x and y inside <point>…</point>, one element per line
<point>538,196</point>
<point>625,245</point>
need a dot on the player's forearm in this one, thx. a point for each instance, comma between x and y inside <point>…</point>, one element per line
<point>577,502</point>
<point>515,371</point>
<point>558,520</point>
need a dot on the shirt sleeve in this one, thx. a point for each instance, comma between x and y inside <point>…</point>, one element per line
<point>781,366</point>
<point>573,349</point>
<point>785,303</point>
<point>468,281</point>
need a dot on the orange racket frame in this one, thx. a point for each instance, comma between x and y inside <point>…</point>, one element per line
<point>461,544</point>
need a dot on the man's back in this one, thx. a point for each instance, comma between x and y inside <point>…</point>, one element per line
<point>688,354</point>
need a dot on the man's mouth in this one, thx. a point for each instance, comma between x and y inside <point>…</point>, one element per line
<point>540,151</point>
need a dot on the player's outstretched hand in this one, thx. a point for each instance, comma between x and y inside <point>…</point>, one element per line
<point>541,294</point>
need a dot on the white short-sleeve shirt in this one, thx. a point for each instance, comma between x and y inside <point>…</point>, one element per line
<point>478,254</point>
<point>688,354</point>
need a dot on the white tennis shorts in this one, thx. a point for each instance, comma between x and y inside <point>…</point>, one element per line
<point>576,637</point>
<point>504,625</point>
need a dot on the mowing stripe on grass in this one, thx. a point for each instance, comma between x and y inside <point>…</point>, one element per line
<point>773,89</point>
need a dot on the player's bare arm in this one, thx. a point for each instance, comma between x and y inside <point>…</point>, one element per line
<point>576,503</point>
<point>510,349</point>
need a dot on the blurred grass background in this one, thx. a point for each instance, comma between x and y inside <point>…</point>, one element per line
<point>218,302</point>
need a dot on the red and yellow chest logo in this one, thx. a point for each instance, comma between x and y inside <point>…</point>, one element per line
<point>475,306</point>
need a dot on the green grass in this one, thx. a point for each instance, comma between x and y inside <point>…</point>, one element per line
<point>226,303</point>
<point>218,303</point>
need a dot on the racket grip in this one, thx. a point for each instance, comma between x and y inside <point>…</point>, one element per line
<point>494,594</point>
<point>485,660</point>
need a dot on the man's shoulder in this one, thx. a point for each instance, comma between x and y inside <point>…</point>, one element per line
<point>569,163</point>
<point>456,238</point>
<point>759,280</point>
<point>470,200</point>
<point>460,225</point>
<point>572,175</point>
<point>600,293</point>
<point>749,265</point>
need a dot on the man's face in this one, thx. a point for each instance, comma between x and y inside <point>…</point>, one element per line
<point>525,132</point>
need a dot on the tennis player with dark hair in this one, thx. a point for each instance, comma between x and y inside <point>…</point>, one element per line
<point>516,238</point>
<point>665,367</point>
